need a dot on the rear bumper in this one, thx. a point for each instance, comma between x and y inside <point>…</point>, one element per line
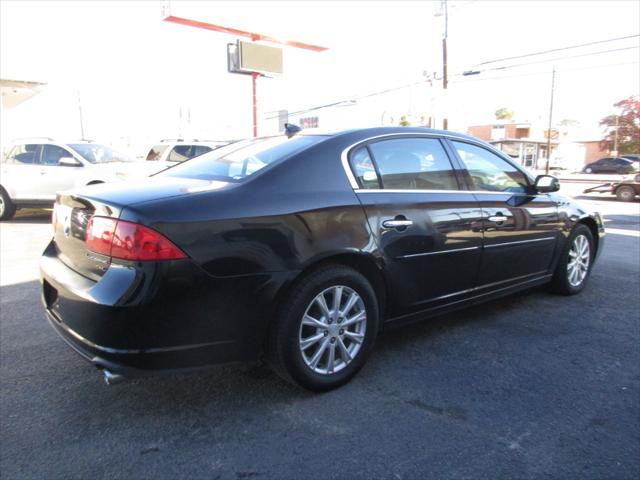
<point>142,318</point>
<point>135,363</point>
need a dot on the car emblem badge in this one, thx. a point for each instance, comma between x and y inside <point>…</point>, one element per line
<point>67,225</point>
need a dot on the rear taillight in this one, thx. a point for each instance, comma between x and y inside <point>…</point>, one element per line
<point>129,241</point>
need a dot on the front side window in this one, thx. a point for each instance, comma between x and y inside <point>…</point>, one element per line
<point>239,160</point>
<point>51,155</point>
<point>28,154</point>
<point>489,172</point>
<point>95,153</point>
<point>201,150</point>
<point>413,164</point>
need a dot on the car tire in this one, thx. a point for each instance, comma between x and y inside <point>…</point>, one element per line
<point>7,207</point>
<point>574,267</point>
<point>625,193</point>
<point>302,338</point>
<point>588,170</point>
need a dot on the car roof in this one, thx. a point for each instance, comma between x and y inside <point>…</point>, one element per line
<point>364,133</point>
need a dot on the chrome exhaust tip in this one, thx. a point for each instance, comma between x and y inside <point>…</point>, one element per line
<point>111,378</point>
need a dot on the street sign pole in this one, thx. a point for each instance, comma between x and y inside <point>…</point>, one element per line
<point>254,82</point>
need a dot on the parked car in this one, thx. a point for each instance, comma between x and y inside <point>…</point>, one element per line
<point>634,159</point>
<point>610,165</point>
<point>34,170</point>
<point>175,151</point>
<point>303,248</point>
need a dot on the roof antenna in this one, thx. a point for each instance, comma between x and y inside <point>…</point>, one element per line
<point>290,129</point>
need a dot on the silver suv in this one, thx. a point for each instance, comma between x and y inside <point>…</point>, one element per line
<point>33,171</point>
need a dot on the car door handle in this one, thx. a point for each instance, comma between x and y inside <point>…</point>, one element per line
<point>498,219</point>
<point>397,223</point>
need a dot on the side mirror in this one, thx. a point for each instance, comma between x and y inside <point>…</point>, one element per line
<point>69,162</point>
<point>546,184</point>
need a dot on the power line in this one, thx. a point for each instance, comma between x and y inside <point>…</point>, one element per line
<point>545,72</point>
<point>474,72</point>
<point>543,52</point>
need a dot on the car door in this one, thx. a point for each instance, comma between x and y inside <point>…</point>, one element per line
<point>425,225</point>
<point>604,165</point>
<point>58,177</point>
<point>521,229</point>
<point>22,175</point>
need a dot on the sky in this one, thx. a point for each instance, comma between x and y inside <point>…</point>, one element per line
<point>139,79</point>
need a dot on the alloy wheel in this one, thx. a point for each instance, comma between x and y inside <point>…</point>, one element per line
<point>579,261</point>
<point>2,206</point>
<point>332,329</point>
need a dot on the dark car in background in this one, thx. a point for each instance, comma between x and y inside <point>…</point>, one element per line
<point>302,248</point>
<point>610,165</point>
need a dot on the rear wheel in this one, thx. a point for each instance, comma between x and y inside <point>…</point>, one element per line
<point>7,207</point>
<point>575,263</point>
<point>325,330</point>
<point>588,170</point>
<point>625,193</point>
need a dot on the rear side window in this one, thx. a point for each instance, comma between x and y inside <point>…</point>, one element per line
<point>28,154</point>
<point>413,164</point>
<point>180,153</point>
<point>237,161</point>
<point>364,169</point>
<point>489,172</point>
<point>156,152</point>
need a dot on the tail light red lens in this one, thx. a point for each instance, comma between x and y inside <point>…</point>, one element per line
<point>129,241</point>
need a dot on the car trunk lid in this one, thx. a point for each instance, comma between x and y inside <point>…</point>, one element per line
<point>71,217</point>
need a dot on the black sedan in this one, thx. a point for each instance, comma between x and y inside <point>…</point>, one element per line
<point>301,248</point>
<point>610,165</point>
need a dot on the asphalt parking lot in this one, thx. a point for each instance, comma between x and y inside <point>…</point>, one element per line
<point>529,386</point>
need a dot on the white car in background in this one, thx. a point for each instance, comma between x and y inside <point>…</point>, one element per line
<point>171,152</point>
<point>33,171</point>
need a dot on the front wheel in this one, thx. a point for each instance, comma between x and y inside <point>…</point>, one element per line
<point>7,207</point>
<point>575,262</point>
<point>325,330</point>
<point>588,170</point>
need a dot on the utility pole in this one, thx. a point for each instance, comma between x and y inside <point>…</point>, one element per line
<point>445,81</point>
<point>553,84</point>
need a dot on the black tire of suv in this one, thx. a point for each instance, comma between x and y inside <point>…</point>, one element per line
<point>625,193</point>
<point>7,207</point>
<point>283,352</point>
<point>560,283</point>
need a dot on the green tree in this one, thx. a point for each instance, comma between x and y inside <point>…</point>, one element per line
<point>627,125</point>
<point>503,114</point>
<point>404,121</point>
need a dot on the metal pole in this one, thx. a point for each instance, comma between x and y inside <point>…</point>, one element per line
<point>553,84</point>
<point>81,121</point>
<point>254,78</point>
<point>615,136</point>
<point>445,82</point>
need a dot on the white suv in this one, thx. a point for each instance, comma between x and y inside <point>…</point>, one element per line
<point>33,171</point>
<point>171,152</point>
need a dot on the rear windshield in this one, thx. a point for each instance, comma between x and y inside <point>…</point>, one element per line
<point>239,160</point>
